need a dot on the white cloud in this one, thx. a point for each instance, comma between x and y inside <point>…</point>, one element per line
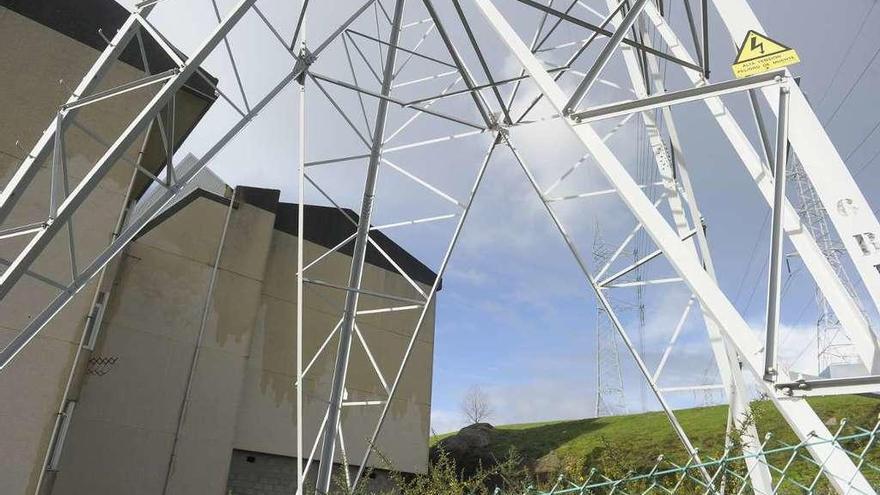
<point>797,349</point>
<point>445,421</point>
<point>546,398</point>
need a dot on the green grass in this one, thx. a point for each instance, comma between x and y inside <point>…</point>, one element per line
<point>640,438</point>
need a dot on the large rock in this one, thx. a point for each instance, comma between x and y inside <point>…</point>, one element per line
<point>469,448</point>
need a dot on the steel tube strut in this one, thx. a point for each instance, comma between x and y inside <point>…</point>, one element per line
<point>604,56</point>
<point>704,9</point>
<point>776,239</point>
<point>300,218</point>
<point>871,381</point>
<point>679,97</point>
<point>337,388</point>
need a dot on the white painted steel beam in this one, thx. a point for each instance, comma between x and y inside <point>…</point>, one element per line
<point>869,384</point>
<point>798,414</point>
<point>774,286</point>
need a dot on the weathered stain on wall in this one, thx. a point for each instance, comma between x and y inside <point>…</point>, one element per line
<point>243,393</point>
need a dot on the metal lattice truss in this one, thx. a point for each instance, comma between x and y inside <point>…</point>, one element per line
<point>377,106</point>
<point>610,396</point>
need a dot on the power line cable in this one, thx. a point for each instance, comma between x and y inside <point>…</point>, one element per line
<point>853,86</point>
<point>751,257</point>
<point>863,141</point>
<point>867,162</point>
<point>846,54</point>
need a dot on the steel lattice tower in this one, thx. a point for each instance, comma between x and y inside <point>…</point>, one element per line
<point>833,345</point>
<point>610,397</point>
<point>474,42</point>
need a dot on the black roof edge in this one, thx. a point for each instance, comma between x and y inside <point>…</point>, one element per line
<point>81,20</point>
<point>265,199</point>
<point>325,226</point>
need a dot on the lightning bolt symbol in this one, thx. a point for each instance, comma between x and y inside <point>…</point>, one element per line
<point>757,46</point>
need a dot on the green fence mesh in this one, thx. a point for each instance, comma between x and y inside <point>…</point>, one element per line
<point>792,467</point>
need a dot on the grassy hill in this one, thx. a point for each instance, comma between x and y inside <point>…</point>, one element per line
<point>640,438</point>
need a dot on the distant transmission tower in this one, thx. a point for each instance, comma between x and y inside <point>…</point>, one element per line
<point>833,346</point>
<point>610,399</point>
<point>708,394</point>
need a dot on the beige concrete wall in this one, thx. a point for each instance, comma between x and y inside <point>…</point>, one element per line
<point>38,69</point>
<point>32,60</point>
<point>267,420</point>
<point>209,429</point>
<point>124,427</point>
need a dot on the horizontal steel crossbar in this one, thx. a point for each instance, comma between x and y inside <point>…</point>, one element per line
<point>678,97</point>
<point>364,291</point>
<point>121,89</point>
<point>640,262</point>
<point>824,384</point>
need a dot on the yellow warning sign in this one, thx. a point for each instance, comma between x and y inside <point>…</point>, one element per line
<point>759,53</point>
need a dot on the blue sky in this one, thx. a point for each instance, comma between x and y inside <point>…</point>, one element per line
<point>515,316</point>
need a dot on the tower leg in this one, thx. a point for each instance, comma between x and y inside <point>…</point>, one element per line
<point>337,388</point>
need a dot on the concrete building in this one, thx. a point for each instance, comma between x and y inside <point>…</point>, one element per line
<point>45,49</point>
<point>164,322</point>
<point>174,373</point>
